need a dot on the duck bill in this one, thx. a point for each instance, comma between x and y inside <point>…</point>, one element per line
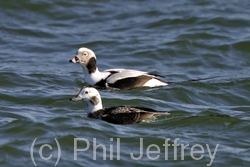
<point>73,60</point>
<point>75,98</point>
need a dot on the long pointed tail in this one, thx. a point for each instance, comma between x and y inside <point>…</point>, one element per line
<point>199,79</point>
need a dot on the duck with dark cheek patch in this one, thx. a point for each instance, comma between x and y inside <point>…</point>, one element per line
<point>114,78</point>
<point>115,115</point>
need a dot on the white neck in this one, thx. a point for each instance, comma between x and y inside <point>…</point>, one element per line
<point>92,108</point>
<point>95,77</point>
<point>92,78</point>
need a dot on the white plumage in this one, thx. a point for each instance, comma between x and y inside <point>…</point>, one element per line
<point>116,78</point>
<point>116,114</point>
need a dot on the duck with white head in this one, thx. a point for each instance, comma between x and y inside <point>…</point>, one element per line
<point>114,78</point>
<point>116,114</point>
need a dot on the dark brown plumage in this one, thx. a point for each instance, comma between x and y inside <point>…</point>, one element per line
<point>116,115</point>
<point>124,114</point>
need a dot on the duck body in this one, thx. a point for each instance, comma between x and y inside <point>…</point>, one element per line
<point>113,78</point>
<point>124,114</point>
<point>117,114</point>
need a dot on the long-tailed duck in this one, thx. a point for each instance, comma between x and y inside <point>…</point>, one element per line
<point>115,78</point>
<point>115,115</point>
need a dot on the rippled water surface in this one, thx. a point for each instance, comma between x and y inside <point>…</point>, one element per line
<point>180,40</point>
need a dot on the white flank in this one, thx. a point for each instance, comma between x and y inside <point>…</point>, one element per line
<point>154,82</point>
<point>125,73</point>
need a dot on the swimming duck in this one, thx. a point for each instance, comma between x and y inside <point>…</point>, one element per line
<point>114,78</point>
<point>115,115</point>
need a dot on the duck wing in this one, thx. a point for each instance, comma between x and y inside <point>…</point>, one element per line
<point>127,79</point>
<point>125,114</point>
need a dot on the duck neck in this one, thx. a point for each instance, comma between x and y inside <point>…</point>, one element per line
<point>92,108</point>
<point>91,76</point>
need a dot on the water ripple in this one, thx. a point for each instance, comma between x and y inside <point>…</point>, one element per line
<point>179,40</point>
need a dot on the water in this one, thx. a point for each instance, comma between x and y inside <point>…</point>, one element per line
<point>180,40</point>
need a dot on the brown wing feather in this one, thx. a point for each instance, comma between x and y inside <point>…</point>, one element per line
<point>130,82</point>
<point>124,114</point>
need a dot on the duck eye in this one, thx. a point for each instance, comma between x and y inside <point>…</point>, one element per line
<point>86,92</point>
<point>85,53</point>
